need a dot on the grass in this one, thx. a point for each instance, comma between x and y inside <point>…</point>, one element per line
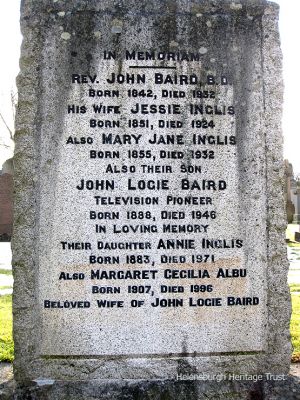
<point>295,327</point>
<point>294,287</point>
<point>6,341</point>
<point>293,244</point>
<point>5,271</point>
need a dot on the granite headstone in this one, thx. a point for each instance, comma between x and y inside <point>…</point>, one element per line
<point>149,213</point>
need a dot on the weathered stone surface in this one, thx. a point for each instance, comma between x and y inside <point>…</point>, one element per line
<point>128,390</point>
<point>225,109</point>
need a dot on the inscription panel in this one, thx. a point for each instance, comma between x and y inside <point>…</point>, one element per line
<point>152,202</point>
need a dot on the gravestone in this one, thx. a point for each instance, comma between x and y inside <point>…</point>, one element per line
<point>148,247</point>
<point>295,190</point>
<point>289,178</point>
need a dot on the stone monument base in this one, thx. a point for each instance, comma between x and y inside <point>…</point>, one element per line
<point>286,388</point>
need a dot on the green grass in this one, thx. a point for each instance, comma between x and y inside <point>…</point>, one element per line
<point>6,341</point>
<point>5,272</point>
<point>293,244</point>
<point>295,327</point>
<point>294,287</point>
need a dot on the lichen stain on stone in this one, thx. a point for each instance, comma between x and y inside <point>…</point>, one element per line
<point>61,13</point>
<point>44,382</point>
<point>173,43</point>
<point>97,34</point>
<point>209,24</point>
<point>236,6</point>
<point>65,35</point>
<point>203,50</point>
<point>196,9</point>
<point>117,26</point>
